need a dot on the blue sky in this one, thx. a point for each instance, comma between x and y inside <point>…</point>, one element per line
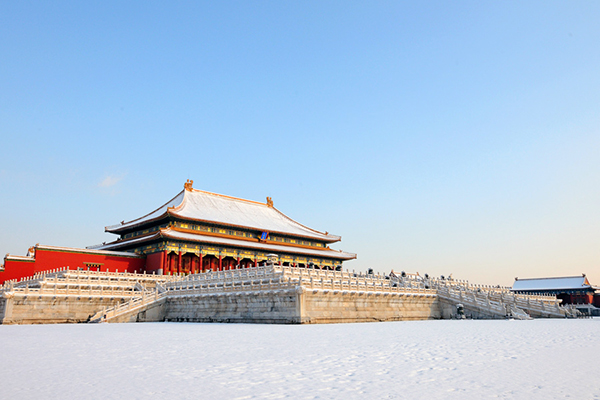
<point>439,137</point>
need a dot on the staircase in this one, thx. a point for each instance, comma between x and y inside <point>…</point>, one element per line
<point>136,308</point>
<point>489,301</point>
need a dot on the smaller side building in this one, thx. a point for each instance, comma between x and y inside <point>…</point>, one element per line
<point>42,258</point>
<point>575,290</point>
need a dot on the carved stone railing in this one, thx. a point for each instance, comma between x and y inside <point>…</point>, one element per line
<point>278,277</point>
<point>69,290</point>
<point>66,282</point>
<point>228,287</point>
<point>123,276</point>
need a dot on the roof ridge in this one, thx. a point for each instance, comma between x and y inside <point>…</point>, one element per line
<point>550,277</point>
<point>229,197</point>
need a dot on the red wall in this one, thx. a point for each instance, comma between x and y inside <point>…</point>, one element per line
<point>576,298</point>
<point>46,260</point>
<point>16,270</point>
<point>154,262</point>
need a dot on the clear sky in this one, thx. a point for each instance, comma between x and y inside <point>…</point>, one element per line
<point>447,137</point>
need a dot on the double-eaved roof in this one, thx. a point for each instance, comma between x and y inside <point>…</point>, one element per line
<point>225,211</point>
<point>198,205</point>
<point>552,284</point>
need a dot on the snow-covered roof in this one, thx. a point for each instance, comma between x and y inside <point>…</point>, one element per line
<point>119,243</point>
<point>198,237</point>
<point>158,213</point>
<point>88,251</point>
<point>10,257</point>
<point>559,283</point>
<point>198,205</point>
<point>102,252</point>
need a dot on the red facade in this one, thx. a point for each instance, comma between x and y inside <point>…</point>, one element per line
<point>578,298</point>
<point>46,258</point>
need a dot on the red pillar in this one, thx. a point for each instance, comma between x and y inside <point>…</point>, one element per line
<point>220,262</point>
<point>200,268</point>
<point>179,263</point>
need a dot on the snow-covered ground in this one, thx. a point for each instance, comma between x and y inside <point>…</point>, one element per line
<point>540,359</point>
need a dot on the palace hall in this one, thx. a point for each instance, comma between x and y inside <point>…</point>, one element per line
<point>195,231</point>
